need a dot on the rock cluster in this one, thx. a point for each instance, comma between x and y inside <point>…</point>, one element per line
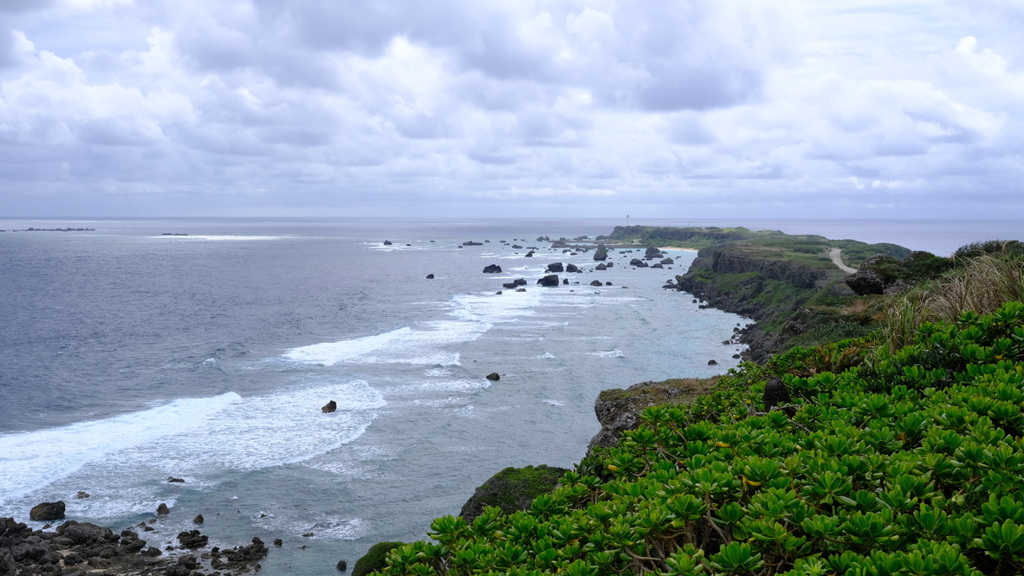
<point>80,548</point>
<point>74,547</point>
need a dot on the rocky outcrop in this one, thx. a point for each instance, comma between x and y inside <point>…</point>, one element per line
<point>74,547</point>
<point>492,269</point>
<point>47,511</point>
<point>512,489</point>
<point>549,280</point>
<point>866,281</point>
<point>724,261</point>
<point>555,267</point>
<point>619,410</point>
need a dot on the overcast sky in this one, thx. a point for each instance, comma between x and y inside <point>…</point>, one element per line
<point>591,108</point>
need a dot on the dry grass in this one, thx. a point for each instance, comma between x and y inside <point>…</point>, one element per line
<point>982,286</point>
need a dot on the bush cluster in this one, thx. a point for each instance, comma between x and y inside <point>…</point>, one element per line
<point>886,462</point>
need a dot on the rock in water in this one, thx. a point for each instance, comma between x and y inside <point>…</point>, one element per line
<point>329,407</point>
<point>493,376</point>
<point>549,280</point>
<point>342,566</point>
<point>492,269</point>
<point>162,509</point>
<point>198,519</point>
<point>193,539</point>
<point>47,511</point>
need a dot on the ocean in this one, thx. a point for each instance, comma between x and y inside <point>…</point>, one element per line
<point>131,354</point>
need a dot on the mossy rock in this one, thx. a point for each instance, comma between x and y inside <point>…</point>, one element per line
<point>375,558</point>
<point>512,489</point>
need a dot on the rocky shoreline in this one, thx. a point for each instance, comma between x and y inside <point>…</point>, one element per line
<point>81,548</point>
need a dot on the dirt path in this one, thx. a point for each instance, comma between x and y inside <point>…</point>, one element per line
<point>834,254</point>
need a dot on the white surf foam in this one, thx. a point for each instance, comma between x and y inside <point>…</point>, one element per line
<point>198,439</point>
<point>331,353</point>
<point>220,237</point>
<point>428,343</point>
<point>616,353</point>
<point>32,460</point>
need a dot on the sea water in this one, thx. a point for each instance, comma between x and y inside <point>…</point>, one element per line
<point>131,355</point>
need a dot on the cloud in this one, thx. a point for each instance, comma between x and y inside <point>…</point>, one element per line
<point>669,106</point>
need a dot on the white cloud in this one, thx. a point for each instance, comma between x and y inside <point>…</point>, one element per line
<point>844,106</point>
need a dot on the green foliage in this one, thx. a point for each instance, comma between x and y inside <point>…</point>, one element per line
<point>375,558</point>
<point>511,489</point>
<point>887,462</point>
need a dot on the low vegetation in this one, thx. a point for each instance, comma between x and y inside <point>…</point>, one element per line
<point>897,453</point>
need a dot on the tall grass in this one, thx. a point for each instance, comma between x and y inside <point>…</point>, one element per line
<point>981,285</point>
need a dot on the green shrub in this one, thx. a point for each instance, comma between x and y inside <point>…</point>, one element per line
<point>887,462</point>
<point>375,558</point>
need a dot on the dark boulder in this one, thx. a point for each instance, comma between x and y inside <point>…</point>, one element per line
<point>193,539</point>
<point>494,376</point>
<point>572,268</point>
<point>638,263</point>
<point>555,267</point>
<point>866,281</point>
<point>329,407</point>
<point>342,566</point>
<point>529,254</point>
<point>430,276</point>
<point>549,280</point>
<point>162,509</point>
<point>492,269</point>
<point>387,242</point>
<point>198,519</point>
<point>597,283</point>
<point>775,394</point>
<point>86,533</point>
<point>601,266</point>
<point>47,511</point>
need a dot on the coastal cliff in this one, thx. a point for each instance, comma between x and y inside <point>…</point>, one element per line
<point>788,285</point>
<point>618,410</point>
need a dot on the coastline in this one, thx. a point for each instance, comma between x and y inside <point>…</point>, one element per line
<point>551,372</point>
<point>665,248</point>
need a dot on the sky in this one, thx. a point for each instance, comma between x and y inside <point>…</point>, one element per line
<point>512,108</point>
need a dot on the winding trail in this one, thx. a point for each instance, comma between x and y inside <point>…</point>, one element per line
<point>834,254</point>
